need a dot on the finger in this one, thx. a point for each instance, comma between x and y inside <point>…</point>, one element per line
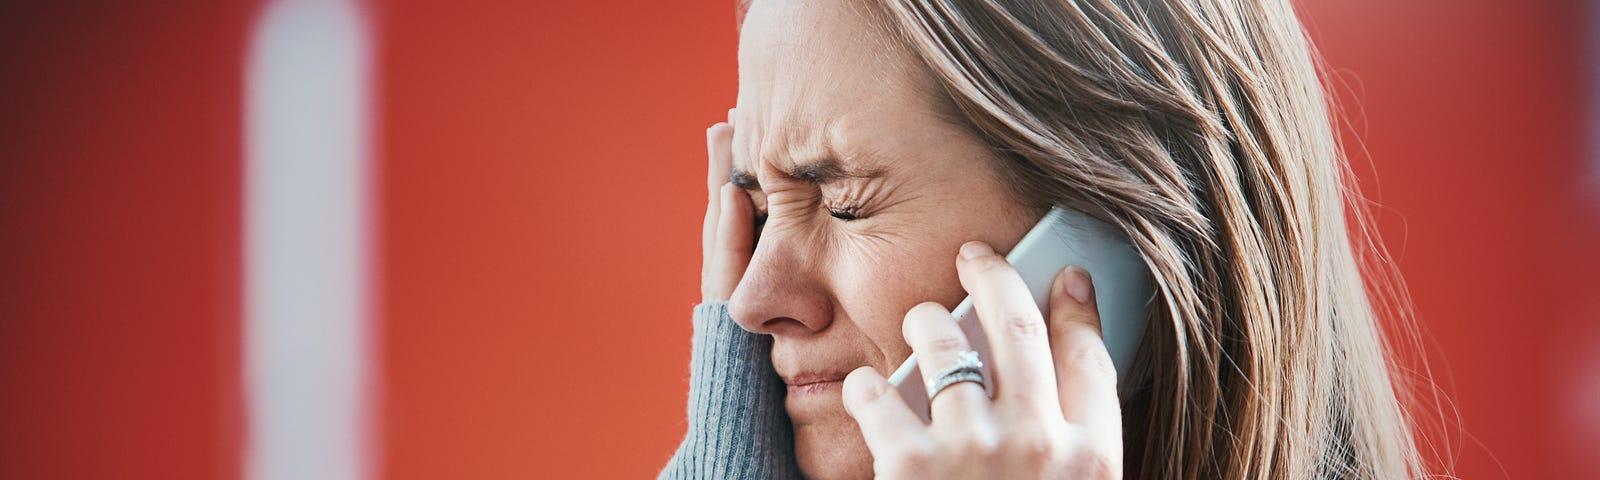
<point>719,153</point>
<point>1018,342</point>
<point>734,245</point>
<point>719,139</point>
<point>938,342</point>
<point>886,423</point>
<point>1085,377</point>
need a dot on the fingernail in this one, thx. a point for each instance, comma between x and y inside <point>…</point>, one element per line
<point>1078,284</point>
<point>976,249</point>
<point>731,115</point>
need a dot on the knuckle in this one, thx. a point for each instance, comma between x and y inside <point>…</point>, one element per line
<point>978,445</point>
<point>1095,464</point>
<point>1018,396</point>
<point>1035,450</point>
<point>947,344</point>
<point>1095,362</point>
<point>908,459</point>
<point>1024,325</point>
<point>870,393</point>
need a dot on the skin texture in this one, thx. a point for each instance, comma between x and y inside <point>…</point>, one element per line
<point>829,261</point>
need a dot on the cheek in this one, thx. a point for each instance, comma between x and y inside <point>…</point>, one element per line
<point>878,284</point>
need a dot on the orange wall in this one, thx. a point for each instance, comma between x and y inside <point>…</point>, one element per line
<point>542,207</point>
<point>540,167</point>
<point>1472,115</point>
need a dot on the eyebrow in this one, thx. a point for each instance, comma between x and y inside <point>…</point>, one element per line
<point>818,172</point>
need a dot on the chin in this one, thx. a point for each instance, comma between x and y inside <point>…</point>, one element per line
<point>832,450</point>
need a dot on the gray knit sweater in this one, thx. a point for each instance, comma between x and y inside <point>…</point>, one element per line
<point>737,424</point>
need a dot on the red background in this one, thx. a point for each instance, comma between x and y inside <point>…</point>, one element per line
<point>540,197</point>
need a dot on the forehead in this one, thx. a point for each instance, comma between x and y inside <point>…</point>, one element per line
<point>828,39</point>
<point>818,76</point>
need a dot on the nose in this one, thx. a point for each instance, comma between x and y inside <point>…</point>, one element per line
<point>782,292</point>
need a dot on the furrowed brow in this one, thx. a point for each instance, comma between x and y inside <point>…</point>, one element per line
<point>744,180</point>
<point>819,172</point>
<point>828,170</point>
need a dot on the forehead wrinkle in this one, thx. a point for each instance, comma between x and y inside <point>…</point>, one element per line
<point>781,152</point>
<point>836,155</point>
<point>810,58</point>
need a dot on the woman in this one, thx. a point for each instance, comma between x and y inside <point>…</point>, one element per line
<point>883,156</point>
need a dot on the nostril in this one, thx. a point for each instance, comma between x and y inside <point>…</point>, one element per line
<point>780,292</point>
<point>769,314</point>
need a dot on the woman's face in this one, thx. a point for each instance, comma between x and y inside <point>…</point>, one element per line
<point>869,186</point>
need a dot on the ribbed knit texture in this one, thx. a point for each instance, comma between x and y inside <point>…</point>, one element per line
<point>737,424</point>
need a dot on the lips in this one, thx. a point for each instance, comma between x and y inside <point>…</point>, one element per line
<point>808,383</point>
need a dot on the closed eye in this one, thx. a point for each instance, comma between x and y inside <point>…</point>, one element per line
<point>846,213</point>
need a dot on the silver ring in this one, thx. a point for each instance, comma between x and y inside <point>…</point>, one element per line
<point>966,369</point>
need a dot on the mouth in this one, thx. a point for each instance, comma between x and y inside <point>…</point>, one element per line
<point>814,383</point>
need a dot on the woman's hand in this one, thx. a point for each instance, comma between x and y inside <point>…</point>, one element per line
<point>728,237</point>
<point>1054,414</point>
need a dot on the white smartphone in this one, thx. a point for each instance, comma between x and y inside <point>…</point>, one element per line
<point>1064,237</point>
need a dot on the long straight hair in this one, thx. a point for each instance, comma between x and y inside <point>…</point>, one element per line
<point>1201,129</point>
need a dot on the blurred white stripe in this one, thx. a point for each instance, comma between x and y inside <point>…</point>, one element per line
<point>306,236</point>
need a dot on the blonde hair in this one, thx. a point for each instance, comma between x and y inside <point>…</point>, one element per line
<point>1201,129</point>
